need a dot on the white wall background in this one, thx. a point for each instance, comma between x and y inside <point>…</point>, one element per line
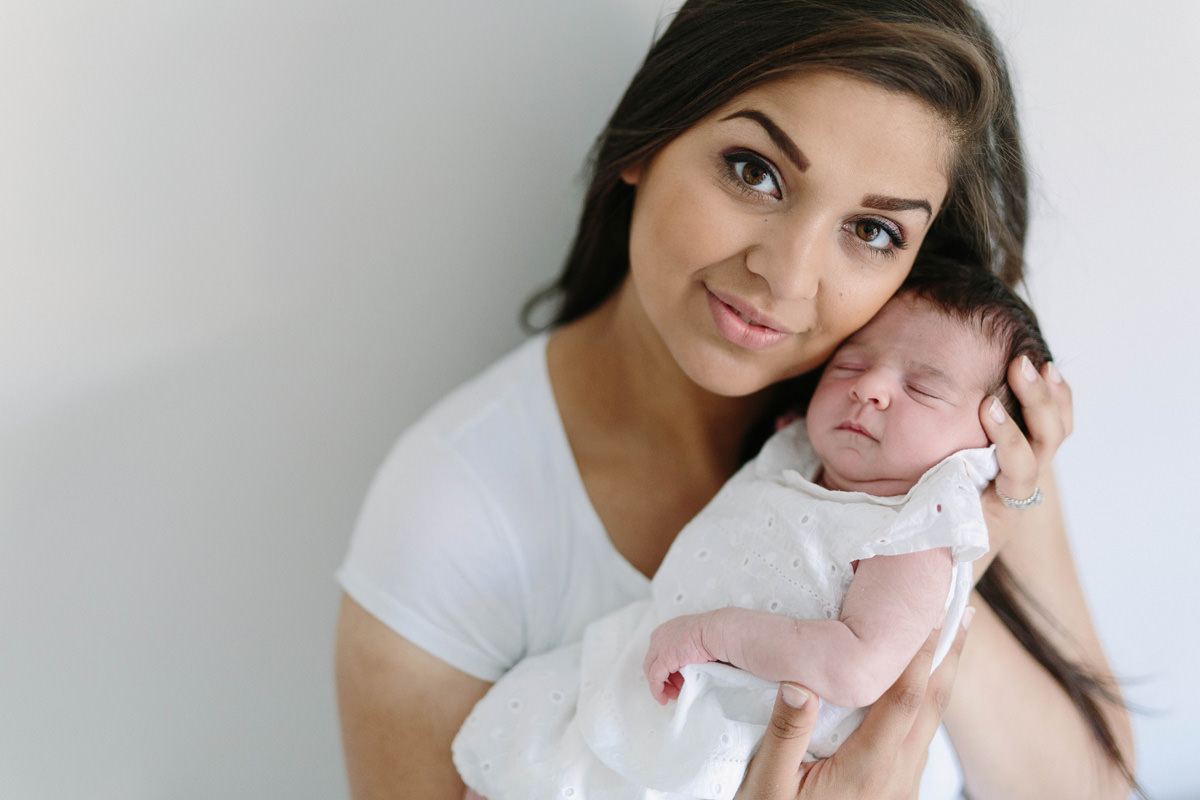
<point>243,245</point>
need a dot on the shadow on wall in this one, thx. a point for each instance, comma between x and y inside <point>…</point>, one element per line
<point>250,245</point>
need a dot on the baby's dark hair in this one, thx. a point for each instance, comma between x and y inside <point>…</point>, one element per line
<point>973,295</point>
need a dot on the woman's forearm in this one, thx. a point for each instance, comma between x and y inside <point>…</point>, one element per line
<point>1016,731</point>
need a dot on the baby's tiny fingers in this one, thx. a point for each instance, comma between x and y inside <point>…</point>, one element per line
<point>657,689</point>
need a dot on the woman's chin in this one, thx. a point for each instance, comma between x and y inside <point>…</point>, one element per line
<point>732,379</point>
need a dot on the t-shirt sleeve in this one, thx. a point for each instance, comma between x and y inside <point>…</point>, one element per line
<point>434,560</point>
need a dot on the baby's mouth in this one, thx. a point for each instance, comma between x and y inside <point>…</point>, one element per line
<point>854,427</point>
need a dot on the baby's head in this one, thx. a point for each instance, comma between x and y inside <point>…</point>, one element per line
<point>906,390</point>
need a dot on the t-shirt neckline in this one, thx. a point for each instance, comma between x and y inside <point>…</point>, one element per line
<point>581,500</point>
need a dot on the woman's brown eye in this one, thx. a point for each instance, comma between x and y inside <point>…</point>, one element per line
<point>876,235</point>
<point>754,174</point>
<point>866,230</point>
<point>751,176</point>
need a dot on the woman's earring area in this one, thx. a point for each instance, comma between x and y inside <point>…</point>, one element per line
<point>633,173</point>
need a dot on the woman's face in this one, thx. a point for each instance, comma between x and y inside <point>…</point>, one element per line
<point>780,224</point>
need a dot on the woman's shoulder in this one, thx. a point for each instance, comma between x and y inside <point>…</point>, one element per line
<point>515,388</point>
<point>440,532</point>
<point>479,506</point>
<point>479,444</point>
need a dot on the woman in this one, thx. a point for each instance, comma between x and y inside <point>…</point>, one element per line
<point>758,194</point>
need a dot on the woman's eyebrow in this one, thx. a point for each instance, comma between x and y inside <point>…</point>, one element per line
<point>881,203</point>
<point>781,139</point>
<point>793,153</point>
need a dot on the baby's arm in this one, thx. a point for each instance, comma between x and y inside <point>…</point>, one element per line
<point>891,606</point>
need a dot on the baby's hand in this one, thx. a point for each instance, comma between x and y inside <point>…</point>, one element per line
<point>673,645</point>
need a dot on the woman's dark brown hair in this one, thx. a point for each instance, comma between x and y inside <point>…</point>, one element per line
<point>939,51</point>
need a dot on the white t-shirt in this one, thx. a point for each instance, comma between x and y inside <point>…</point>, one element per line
<point>478,543</point>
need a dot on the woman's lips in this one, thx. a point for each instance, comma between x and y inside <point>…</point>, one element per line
<point>742,324</point>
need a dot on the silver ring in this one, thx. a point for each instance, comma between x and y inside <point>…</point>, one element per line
<point>1034,499</point>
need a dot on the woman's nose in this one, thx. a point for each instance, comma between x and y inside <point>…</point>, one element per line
<point>788,256</point>
<point>873,388</point>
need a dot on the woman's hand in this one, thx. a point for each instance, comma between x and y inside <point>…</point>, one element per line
<point>1046,404</point>
<point>883,759</point>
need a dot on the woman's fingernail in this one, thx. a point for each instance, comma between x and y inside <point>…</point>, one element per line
<point>1027,369</point>
<point>968,615</point>
<point>794,696</point>
<point>1053,372</point>
<point>997,411</point>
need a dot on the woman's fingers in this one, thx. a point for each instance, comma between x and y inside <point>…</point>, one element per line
<point>1045,403</point>
<point>889,722</point>
<point>1018,463</point>
<point>937,690</point>
<point>774,772</point>
<point>886,756</point>
<point>1060,390</point>
<point>1048,409</point>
